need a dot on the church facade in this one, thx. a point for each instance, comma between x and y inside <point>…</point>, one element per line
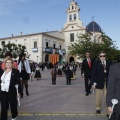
<point>74,27</point>
<point>41,45</point>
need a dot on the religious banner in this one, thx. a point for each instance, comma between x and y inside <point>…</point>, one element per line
<point>54,58</point>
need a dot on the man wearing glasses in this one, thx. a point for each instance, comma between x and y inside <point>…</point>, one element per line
<point>99,79</point>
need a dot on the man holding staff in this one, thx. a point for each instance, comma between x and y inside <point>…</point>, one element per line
<point>113,91</point>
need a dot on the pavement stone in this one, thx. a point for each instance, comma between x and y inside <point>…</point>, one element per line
<point>62,118</point>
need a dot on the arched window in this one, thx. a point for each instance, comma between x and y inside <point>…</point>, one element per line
<point>72,7</point>
<point>70,17</point>
<point>74,16</point>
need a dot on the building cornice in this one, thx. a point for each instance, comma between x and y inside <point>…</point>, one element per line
<point>73,30</point>
<point>27,35</point>
<point>81,28</point>
<point>53,36</point>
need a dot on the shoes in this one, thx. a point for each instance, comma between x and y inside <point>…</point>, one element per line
<point>27,93</point>
<point>98,112</point>
<point>107,115</point>
<point>87,94</point>
<point>21,96</point>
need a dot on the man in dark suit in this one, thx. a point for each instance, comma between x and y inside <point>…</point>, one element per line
<point>113,91</point>
<point>86,72</point>
<point>99,79</point>
<point>54,75</point>
<point>68,73</point>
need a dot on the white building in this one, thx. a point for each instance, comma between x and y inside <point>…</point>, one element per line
<point>40,45</point>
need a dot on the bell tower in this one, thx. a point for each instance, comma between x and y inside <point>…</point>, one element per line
<point>73,27</point>
<point>73,14</point>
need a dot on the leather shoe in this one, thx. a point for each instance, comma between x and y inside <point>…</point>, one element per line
<point>107,115</point>
<point>98,112</point>
<point>87,94</point>
<point>27,93</point>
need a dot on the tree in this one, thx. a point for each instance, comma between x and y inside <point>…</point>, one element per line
<point>84,43</point>
<point>11,47</point>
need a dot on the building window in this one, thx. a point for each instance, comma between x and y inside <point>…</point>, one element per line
<point>60,47</point>
<point>74,16</point>
<point>70,17</point>
<point>72,37</point>
<point>35,44</point>
<point>54,45</point>
<point>47,44</point>
<point>72,7</point>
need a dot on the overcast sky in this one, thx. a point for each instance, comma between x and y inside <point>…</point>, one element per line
<point>33,16</point>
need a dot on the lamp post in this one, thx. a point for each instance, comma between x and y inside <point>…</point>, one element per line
<point>37,59</point>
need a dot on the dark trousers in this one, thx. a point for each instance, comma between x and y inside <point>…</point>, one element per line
<point>87,84</point>
<point>54,81</point>
<point>115,116</point>
<point>7,99</point>
<point>42,68</point>
<point>24,83</point>
<point>68,81</point>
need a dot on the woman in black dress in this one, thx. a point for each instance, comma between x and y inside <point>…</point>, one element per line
<point>25,72</point>
<point>37,73</point>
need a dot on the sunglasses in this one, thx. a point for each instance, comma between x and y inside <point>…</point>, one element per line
<point>102,56</point>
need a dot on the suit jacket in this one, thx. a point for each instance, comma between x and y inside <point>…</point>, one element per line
<point>15,79</point>
<point>98,76</point>
<point>113,91</point>
<point>85,69</point>
<point>27,66</point>
<point>54,73</point>
<point>68,73</point>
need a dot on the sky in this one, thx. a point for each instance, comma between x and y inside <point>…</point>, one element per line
<point>34,16</point>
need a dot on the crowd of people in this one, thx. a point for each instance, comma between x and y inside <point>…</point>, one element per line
<point>100,75</point>
<point>17,73</point>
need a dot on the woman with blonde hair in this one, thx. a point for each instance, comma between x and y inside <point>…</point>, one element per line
<point>9,55</point>
<point>9,78</point>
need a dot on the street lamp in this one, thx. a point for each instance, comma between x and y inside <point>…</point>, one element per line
<point>37,59</point>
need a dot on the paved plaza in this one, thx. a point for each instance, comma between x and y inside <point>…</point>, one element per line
<point>58,102</point>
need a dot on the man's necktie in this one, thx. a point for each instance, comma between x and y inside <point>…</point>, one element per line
<point>89,63</point>
<point>104,67</point>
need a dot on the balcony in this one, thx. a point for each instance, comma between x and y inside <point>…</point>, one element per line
<point>50,51</point>
<point>34,49</point>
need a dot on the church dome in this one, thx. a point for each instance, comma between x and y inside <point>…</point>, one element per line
<point>93,27</point>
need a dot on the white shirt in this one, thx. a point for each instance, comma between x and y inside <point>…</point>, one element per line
<point>88,59</point>
<point>5,79</point>
<point>104,62</point>
<point>27,66</point>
